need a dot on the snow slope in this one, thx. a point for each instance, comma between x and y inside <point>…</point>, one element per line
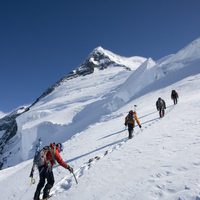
<point>162,161</point>
<point>55,117</point>
<point>53,114</point>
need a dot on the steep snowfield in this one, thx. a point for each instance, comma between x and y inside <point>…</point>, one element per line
<point>62,113</point>
<point>162,161</point>
<point>55,117</point>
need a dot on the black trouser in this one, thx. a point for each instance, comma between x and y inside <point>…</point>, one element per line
<point>45,173</point>
<point>130,131</point>
<point>161,112</point>
<point>175,100</point>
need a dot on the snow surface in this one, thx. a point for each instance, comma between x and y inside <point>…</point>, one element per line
<point>87,114</point>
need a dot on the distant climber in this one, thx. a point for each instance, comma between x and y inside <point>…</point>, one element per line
<point>161,106</point>
<point>130,122</point>
<point>174,96</point>
<point>45,160</point>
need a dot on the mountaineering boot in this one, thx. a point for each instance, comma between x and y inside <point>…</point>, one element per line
<point>46,196</point>
<point>49,196</point>
<point>46,191</point>
<point>130,136</point>
<point>37,195</point>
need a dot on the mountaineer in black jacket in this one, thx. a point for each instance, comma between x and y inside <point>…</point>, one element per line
<point>174,96</point>
<point>161,106</point>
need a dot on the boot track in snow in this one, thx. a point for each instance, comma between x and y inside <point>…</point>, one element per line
<point>67,182</point>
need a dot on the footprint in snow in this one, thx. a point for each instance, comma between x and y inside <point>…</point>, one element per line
<point>82,170</point>
<point>182,169</point>
<point>196,163</point>
<point>67,185</point>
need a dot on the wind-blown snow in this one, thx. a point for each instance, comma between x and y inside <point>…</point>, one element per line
<point>162,161</point>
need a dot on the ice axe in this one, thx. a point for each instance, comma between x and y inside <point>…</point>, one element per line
<point>75,178</point>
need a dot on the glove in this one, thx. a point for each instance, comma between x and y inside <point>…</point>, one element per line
<point>140,126</point>
<point>71,170</point>
<point>31,175</point>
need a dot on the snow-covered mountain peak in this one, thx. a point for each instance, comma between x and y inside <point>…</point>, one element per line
<point>103,58</point>
<point>99,49</point>
<point>103,53</point>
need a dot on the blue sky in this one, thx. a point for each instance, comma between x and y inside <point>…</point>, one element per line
<point>42,40</point>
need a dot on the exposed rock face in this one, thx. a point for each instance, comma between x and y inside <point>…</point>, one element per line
<point>97,59</point>
<point>8,125</point>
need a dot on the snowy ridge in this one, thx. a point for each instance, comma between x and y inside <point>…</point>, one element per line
<point>183,58</point>
<point>134,84</point>
<point>155,75</point>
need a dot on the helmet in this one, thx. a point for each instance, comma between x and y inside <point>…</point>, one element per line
<point>60,146</point>
<point>131,112</point>
<point>159,98</point>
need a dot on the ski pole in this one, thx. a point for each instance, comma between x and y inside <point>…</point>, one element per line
<point>75,177</point>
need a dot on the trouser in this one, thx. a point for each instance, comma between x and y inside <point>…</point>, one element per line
<point>161,112</point>
<point>45,173</point>
<point>175,100</point>
<point>130,131</point>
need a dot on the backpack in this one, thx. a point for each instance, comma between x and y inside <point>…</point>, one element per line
<point>174,93</point>
<point>160,104</point>
<point>40,157</point>
<point>129,119</point>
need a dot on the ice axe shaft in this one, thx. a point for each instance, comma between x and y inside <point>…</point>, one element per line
<point>75,178</point>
